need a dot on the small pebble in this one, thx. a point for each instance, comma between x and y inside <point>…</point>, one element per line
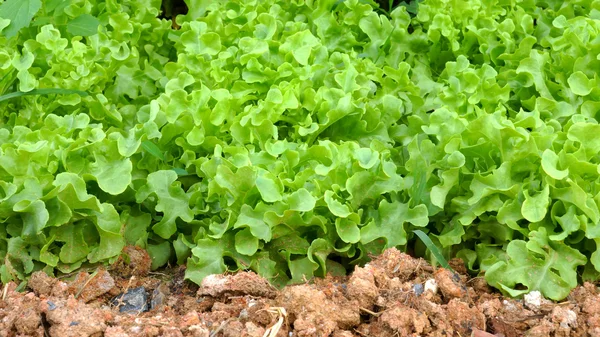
<point>51,305</point>
<point>418,289</point>
<point>431,285</point>
<point>533,300</point>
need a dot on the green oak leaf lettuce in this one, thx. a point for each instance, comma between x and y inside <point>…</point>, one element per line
<point>297,138</point>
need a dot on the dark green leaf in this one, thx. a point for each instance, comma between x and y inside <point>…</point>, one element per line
<point>83,25</point>
<point>20,13</point>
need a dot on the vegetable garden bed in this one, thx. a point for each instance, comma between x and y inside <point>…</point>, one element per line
<point>298,139</point>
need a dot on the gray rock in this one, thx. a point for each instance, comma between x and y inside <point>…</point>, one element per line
<point>158,299</point>
<point>418,289</point>
<point>133,301</point>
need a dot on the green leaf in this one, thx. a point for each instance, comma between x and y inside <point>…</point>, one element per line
<point>35,217</point>
<point>535,207</point>
<point>207,259</point>
<point>550,165</point>
<point>298,138</point>
<point>108,225</point>
<point>300,45</point>
<point>172,201</point>
<point>83,25</point>
<point>580,84</point>
<point>254,220</point>
<point>347,230</point>
<point>183,248</point>
<point>268,187</point>
<point>336,207</point>
<point>47,256</point>
<point>584,133</point>
<point>390,223</point>
<point>365,186</point>
<point>539,264</point>
<point>159,254</point>
<point>75,247</point>
<point>17,261</point>
<point>113,176</point>
<point>136,227</point>
<point>20,13</point>
<point>301,201</point>
<point>302,269</point>
<point>245,242</point>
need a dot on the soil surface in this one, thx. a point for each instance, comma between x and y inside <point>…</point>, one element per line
<point>393,295</point>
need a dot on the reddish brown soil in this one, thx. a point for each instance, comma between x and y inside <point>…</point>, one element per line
<point>376,300</point>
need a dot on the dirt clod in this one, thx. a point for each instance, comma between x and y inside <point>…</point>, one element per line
<point>41,283</point>
<point>134,261</point>
<point>242,283</point>
<point>73,318</point>
<point>405,321</point>
<point>464,318</point>
<point>449,284</point>
<point>87,287</point>
<point>313,314</point>
<point>362,288</point>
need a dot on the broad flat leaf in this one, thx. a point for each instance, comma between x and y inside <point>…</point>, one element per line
<point>348,230</point>
<point>585,134</point>
<point>183,248</point>
<point>366,186</point>
<point>268,187</point>
<point>48,257</point>
<point>72,191</point>
<point>136,227</point>
<point>75,248</point>
<point>17,260</point>
<point>20,13</point>
<point>302,269</point>
<point>83,25</point>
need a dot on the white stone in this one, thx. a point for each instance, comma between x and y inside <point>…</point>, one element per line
<point>533,300</point>
<point>431,285</point>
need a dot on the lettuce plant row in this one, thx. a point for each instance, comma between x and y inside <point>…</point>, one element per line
<point>296,138</point>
